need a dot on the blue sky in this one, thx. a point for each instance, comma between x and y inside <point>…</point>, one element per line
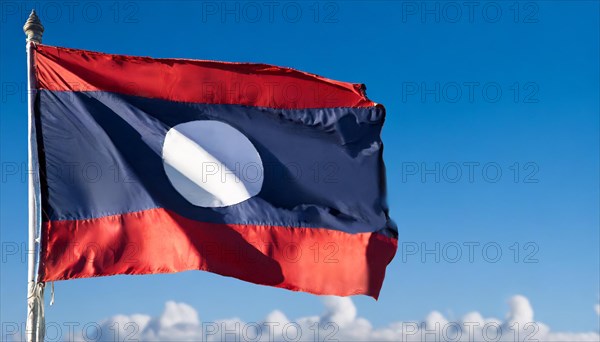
<point>500,87</point>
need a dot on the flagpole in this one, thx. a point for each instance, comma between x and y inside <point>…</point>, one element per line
<point>35,326</point>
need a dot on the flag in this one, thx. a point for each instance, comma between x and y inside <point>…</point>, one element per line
<point>263,173</point>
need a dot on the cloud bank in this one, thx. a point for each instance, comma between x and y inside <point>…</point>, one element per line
<point>338,322</point>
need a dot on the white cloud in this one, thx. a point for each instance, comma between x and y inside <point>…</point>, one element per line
<point>178,313</point>
<point>520,310</point>
<point>340,321</point>
<point>340,310</point>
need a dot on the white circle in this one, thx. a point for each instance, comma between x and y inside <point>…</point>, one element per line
<point>212,164</point>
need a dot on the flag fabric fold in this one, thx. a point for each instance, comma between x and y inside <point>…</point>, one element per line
<point>262,173</point>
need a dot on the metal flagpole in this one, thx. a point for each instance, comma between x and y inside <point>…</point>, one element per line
<point>35,327</point>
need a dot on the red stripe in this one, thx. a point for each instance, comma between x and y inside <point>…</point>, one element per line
<point>184,80</point>
<point>315,260</point>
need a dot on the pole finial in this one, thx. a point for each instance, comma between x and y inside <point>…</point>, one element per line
<point>33,28</point>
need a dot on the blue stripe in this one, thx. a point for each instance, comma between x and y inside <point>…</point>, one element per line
<point>323,167</point>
